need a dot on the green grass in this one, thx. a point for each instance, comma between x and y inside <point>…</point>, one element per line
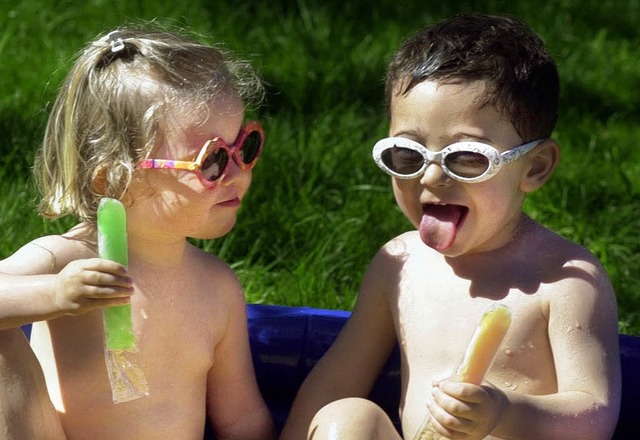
<point>319,209</point>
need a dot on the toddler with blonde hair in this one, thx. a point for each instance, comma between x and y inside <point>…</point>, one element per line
<point>155,119</point>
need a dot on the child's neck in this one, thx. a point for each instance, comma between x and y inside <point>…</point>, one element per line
<point>509,244</point>
<point>157,252</point>
<point>492,273</point>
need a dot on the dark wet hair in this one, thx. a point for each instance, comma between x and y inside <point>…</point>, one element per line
<point>521,77</point>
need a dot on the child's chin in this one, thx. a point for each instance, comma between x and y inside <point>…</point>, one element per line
<point>212,235</point>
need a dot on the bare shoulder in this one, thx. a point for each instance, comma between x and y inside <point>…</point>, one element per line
<point>398,250</point>
<point>403,245</point>
<point>565,258</point>
<point>571,272</point>
<point>51,253</point>
<point>216,272</point>
<point>393,258</point>
<point>210,265</point>
<point>398,263</point>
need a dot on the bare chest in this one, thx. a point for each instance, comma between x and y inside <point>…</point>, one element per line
<point>435,322</point>
<point>177,328</point>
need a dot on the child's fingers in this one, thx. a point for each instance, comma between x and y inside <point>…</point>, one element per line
<point>462,391</point>
<point>444,422</point>
<point>94,264</point>
<point>467,408</point>
<point>436,426</point>
<point>112,301</point>
<point>104,265</point>
<point>85,285</point>
<point>88,298</point>
<point>451,403</point>
<point>108,292</point>
<point>98,279</point>
<point>99,272</point>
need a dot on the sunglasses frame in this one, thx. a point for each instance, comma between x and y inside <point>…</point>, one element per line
<point>496,159</point>
<point>217,142</point>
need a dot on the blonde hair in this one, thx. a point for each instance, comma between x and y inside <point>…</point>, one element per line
<point>108,114</point>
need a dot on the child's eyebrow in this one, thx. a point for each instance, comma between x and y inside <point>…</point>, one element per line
<point>475,137</point>
<point>409,134</point>
<point>403,134</point>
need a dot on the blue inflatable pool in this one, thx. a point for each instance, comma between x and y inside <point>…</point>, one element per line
<point>286,342</point>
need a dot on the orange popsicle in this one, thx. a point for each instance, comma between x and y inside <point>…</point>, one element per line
<point>483,347</point>
<point>484,344</point>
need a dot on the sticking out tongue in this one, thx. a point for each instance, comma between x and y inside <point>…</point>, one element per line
<point>439,225</point>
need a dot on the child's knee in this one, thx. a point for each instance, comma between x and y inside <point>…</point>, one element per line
<point>352,418</point>
<point>362,408</point>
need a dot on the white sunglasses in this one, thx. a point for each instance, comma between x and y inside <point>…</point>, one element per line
<point>463,161</point>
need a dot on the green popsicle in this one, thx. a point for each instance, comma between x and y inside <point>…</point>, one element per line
<point>112,245</point>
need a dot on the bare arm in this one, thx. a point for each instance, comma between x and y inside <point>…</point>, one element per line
<point>234,404</point>
<point>584,339</point>
<point>359,353</point>
<point>31,290</point>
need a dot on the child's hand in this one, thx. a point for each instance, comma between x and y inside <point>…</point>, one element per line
<point>86,285</point>
<point>465,411</point>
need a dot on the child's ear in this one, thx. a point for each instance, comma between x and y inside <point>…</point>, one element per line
<point>100,186</point>
<point>542,161</point>
<point>99,181</point>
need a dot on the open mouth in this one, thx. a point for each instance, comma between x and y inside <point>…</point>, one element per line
<point>440,224</point>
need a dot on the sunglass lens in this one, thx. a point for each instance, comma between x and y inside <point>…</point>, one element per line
<point>214,164</point>
<point>402,161</point>
<point>250,147</point>
<point>467,163</point>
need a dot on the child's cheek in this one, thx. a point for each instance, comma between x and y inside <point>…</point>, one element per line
<point>407,195</point>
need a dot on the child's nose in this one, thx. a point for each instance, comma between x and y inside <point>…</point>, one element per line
<point>434,175</point>
<point>235,174</point>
